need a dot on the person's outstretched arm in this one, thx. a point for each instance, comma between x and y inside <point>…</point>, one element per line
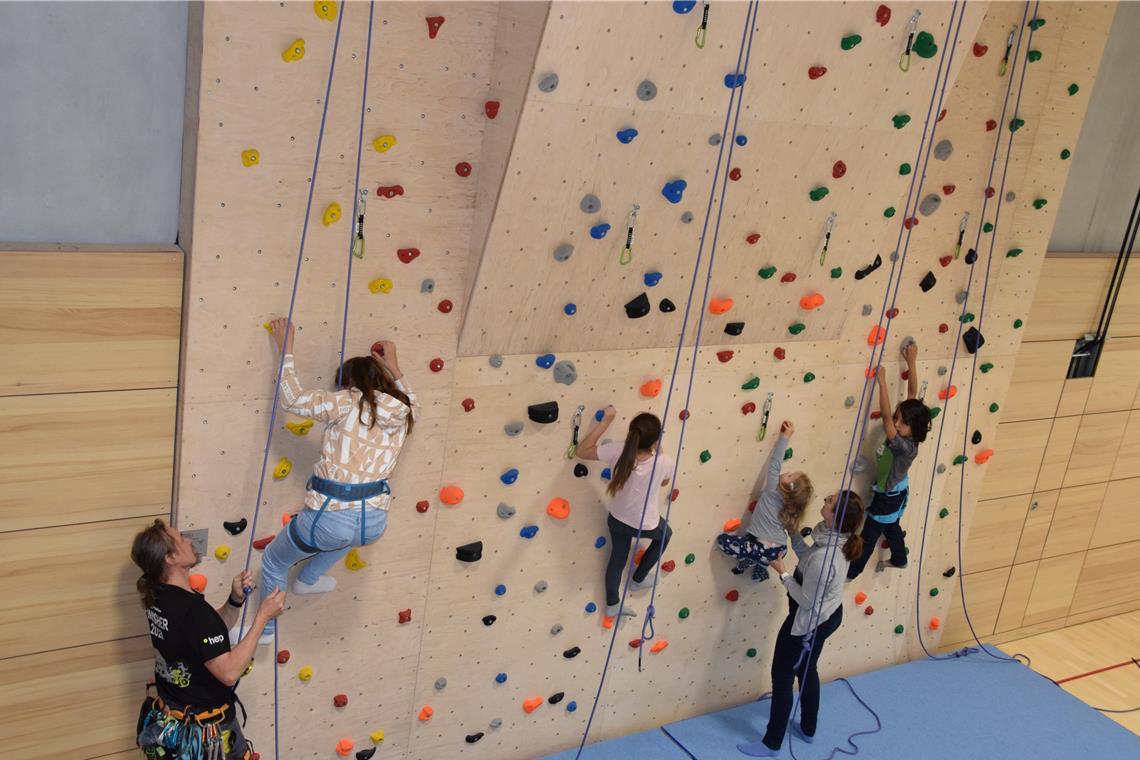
<point>776,458</point>
<point>588,446</point>
<point>228,667</point>
<point>885,411</point>
<point>326,406</point>
<point>912,371</point>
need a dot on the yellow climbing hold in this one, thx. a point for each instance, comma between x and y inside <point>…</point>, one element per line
<point>331,215</point>
<point>299,428</point>
<point>305,674</point>
<point>222,553</point>
<point>268,327</point>
<point>250,157</point>
<point>376,737</point>
<point>325,9</point>
<point>353,561</point>
<point>295,51</point>
<point>383,143</point>
<point>380,285</point>
<point>248,669</point>
<point>283,468</point>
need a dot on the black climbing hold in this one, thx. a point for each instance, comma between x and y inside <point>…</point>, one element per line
<point>365,754</point>
<point>233,528</point>
<point>976,438</point>
<point>472,738</point>
<point>580,470</point>
<point>543,413</point>
<point>638,307</point>
<point>805,531</point>
<point>973,339</point>
<point>489,619</point>
<point>734,328</point>
<point>571,653</point>
<point>667,305</point>
<point>971,256</point>
<point>949,573</point>
<point>928,282</point>
<point>472,552</point>
<point>878,262</point>
<point>556,698</point>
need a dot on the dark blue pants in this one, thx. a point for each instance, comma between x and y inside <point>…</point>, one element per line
<point>621,535</point>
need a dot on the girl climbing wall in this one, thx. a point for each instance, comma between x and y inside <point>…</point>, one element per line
<point>631,489</point>
<point>819,575</point>
<point>366,423</point>
<point>779,509</point>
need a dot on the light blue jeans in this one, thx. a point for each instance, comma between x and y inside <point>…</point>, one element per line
<point>336,534</point>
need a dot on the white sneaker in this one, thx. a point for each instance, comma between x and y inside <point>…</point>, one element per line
<point>265,639</point>
<point>323,585</point>
<point>627,611</point>
<point>645,585</point>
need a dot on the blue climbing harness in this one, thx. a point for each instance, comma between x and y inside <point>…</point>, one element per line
<point>332,489</point>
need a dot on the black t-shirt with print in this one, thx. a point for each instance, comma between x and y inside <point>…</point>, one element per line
<point>187,632</point>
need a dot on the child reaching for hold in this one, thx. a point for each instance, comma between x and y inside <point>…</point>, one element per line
<point>635,485</point>
<point>779,509</point>
<point>906,427</point>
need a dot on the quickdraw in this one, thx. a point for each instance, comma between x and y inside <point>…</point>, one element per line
<point>573,448</point>
<point>961,233</point>
<point>358,229</point>
<point>1005,58</point>
<point>702,30</point>
<point>827,227</point>
<point>911,31</point>
<point>627,252</point>
<point>764,418</point>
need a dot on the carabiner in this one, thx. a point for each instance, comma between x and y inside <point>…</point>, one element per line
<point>827,227</point>
<point>626,255</point>
<point>961,233</point>
<point>911,31</point>
<point>358,232</point>
<point>1005,58</point>
<point>577,422</point>
<point>764,419</point>
<point>702,30</point>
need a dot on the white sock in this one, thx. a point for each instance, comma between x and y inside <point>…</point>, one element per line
<point>323,584</point>
<point>627,611</point>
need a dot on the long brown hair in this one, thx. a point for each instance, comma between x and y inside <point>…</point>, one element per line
<point>365,374</point>
<point>644,432</point>
<point>796,499</point>
<point>852,518</point>
<point>149,551</point>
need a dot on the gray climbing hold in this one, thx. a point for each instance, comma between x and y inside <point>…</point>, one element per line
<point>590,203</point>
<point>548,83</point>
<point>513,428</point>
<point>906,342</point>
<point>1010,197</point>
<point>563,252</point>
<point>930,204</point>
<point>495,360</point>
<point>646,90</point>
<point>894,256</point>
<point>565,372</point>
<point>505,511</point>
<point>860,465</point>
<point>715,138</point>
<point>427,286</point>
<point>849,402</point>
<point>496,723</point>
<point>942,371</point>
<point>867,309</point>
<point>556,629</point>
<point>687,217</point>
<point>943,150</point>
<point>540,586</point>
<point>440,684</point>
<point>941,469</point>
<point>960,297</point>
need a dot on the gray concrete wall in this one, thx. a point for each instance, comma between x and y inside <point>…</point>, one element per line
<point>91,104</point>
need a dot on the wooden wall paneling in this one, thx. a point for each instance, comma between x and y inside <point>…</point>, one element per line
<point>1055,462</point>
<point>1069,297</point>
<point>1016,598</point>
<point>1126,316</point>
<point>1127,463</point>
<point>984,593</point>
<point>1053,589</point>
<point>1112,610</point>
<point>1117,377</point>
<point>74,321</point>
<point>1074,396</point>
<point>1095,448</point>
<point>104,682</point>
<point>1111,576</point>
<point>1036,529</point>
<point>1118,521</point>
<point>1074,519</point>
<point>85,457</point>
<point>995,528</point>
<point>1038,380</point>
<point>1020,447</point>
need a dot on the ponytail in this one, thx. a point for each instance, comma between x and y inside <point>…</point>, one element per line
<point>149,551</point>
<point>644,432</point>
<point>850,506</point>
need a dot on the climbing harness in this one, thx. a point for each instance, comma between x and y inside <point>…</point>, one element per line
<point>358,230</point>
<point>572,449</point>
<point>1008,47</point>
<point>627,252</point>
<point>827,227</point>
<point>164,732</point>
<point>961,233</point>
<point>764,417</point>
<point>702,30</point>
<point>346,492</point>
<point>911,31</point>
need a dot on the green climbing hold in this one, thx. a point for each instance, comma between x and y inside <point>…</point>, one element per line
<point>924,46</point>
<point>1016,124</point>
<point>1039,203</point>
<point>1013,253</point>
<point>788,453</point>
<point>987,227</point>
<point>934,592</point>
<point>751,385</point>
<point>690,558</point>
<point>705,456</point>
<point>943,513</point>
<point>960,459</point>
<point>796,328</point>
<point>684,613</point>
<point>1074,88</point>
<point>850,41</point>
<point>889,211</point>
<point>1065,153</point>
<point>1036,23</point>
<point>767,272</point>
<point>819,193</point>
<point>986,367</point>
<point>809,376</point>
<point>904,169</point>
<point>1034,56</point>
<point>836,272</point>
<point>994,407</point>
<point>935,411</point>
<point>899,628</point>
<point>1017,323</point>
<point>751,652</point>
<point>967,317</point>
<point>900,120</point>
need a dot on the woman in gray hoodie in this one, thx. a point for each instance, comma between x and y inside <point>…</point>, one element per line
<point>818,580</point>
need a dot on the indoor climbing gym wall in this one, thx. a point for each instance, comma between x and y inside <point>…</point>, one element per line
<point>725,214</point>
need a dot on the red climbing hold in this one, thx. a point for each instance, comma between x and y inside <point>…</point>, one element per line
<point>422,506</point>
<point>753,239</point>
<point>876,415</point>
<point>868,610</point>
<point>261,543</point>
<point>491,108</point>
<point>468,404</point>
<point>942,115</point>
<point>283,657</point>
<point>945,260</point>
<point>668,567</point>
<point>892,313</point>
<point>990,192</point>
<point>839,169</point>
<point>405,616</point>
<point>724,356</point>
<point>673,496</point>
<point>434,23</point>
<point>732,596</point>
<point>390,191</point>
<point>912,222</point>
<point>407,255</point>
<point>949,189</point>
<point>779,353</point>
<point>943,328</point>
<point>748,408</point>
<point>684,415</point>
<point>991,125</point>
<point>445,306</point>
<point>463,169</point>
<point>788,277</point>
<point>734,175</point>
<point>980,49</point>
<point>815,72</point>
<point>340,700</point>
<point>752,506</point>
<point>882,15</point>
<point>634,643</point>
<point>436,364</point>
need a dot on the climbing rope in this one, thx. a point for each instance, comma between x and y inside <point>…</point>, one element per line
<point>746,38</point>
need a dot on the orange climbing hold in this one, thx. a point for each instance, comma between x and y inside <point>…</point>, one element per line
<point>607,622</point>
<point>344,747</point>
<point>949,392</point>
<point>658,646</point>
<point>198,582</point>
<point>983,456</point>
<point>876,336</point>
<point>860,597</point>
<point>532,704</point>
<point>720,305</point>
<point>650,388</point>
<point>426,713</point>
<point>558,508</point>
<point>811,301</point>
<point>638,555</point>
<point>451,495</point>
<point>731,525</point>
<point>935,624</point>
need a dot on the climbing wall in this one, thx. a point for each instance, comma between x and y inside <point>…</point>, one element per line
<point>599,106</point>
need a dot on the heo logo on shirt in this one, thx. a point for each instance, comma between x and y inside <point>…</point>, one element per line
<point>215,639</point>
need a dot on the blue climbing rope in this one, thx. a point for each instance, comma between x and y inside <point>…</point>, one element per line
<point>750,16</point>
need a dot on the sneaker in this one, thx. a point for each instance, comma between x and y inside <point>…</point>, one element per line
<point>757,749</point>
<point>645,585</point>
<point>799,732</point>
<point>265,639</point>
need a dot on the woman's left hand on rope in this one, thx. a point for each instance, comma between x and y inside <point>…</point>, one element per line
<point>242,581</point>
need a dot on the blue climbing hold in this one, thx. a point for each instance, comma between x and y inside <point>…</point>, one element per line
<point>599,414</point>
<point>570,309</point>
<point>571,706</point>
<point>546,361</point>
<point>501,678</point>
<point>591,607</point>
<point>600,542</point>
<point>598,231</point>
<point>742,140</point>
<point>683,6</point>
<point>607,473</point>
<point>732,81</point>
<point>652,278</point>
<point>529,531</point>
<point>500,590</point>
<point>673,191</point>
<point>510,476</point>
<point>625,136</point>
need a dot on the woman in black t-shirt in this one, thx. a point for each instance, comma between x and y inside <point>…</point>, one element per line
<point>195,670</point>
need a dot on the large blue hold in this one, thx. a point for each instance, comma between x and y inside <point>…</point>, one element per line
<point>675,190</point>
<point>734,80</point>
<point>625,136</point>
<point>529,531</point>
<point>684,6</point>
<point>546,361</point>
<point>598,231</point>
<point>510,476</point>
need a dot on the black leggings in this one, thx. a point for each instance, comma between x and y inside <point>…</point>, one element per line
<point>621,535</point>
<point>784,672</point>
<point>872,530</point>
